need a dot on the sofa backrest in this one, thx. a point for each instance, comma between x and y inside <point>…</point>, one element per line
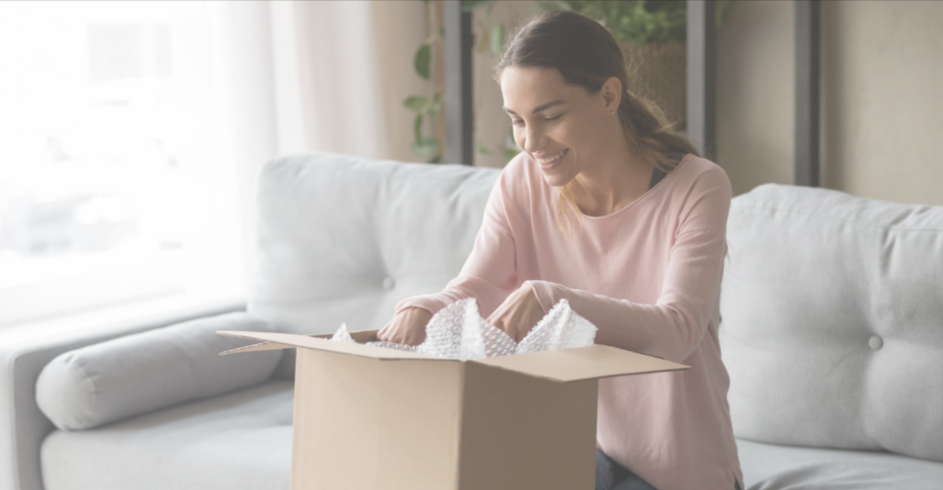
<point>342,239</point>
<point>832,332</point>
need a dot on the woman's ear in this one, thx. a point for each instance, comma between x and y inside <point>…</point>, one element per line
<point>612,93</point>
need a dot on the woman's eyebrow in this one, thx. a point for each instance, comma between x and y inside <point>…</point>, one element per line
<point>538,108</point>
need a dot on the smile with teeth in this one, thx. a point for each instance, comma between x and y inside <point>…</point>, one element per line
<point>552,158</point>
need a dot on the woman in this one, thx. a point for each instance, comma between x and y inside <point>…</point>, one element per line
<point>607,208</point>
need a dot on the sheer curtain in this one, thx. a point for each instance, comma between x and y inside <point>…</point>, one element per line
<point>237,83</point>
<point>293,76</point>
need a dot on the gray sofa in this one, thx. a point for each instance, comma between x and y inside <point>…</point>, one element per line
<point>831,332</point>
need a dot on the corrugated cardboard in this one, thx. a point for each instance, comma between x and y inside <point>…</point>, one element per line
<point>372,418</point>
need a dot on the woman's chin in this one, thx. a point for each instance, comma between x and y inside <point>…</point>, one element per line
<point>556,179</point>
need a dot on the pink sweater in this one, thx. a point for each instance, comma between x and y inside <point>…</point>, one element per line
<point>648,276</point>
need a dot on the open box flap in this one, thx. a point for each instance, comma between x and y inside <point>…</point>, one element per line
<point>267,345</point>
<point>579,363</point>
<point>321,342</point>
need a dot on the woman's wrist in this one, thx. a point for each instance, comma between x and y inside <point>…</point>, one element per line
<point>542,292</point>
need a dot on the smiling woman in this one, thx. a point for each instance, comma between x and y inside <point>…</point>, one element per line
<point>567,62</point>
<point>644,265</point>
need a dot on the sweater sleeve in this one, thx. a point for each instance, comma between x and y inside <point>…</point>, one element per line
<point>489,274</point>
<point>673,327</point>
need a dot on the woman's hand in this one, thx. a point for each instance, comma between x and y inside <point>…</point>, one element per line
<point>406,327</point>
<point>519,313</point>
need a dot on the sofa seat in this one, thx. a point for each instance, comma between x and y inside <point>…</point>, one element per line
<point>238,440</point>
<point>772,466</point>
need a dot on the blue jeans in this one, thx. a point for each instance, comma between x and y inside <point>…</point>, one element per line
<point>613,476</point>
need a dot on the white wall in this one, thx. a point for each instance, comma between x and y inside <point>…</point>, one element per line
<point>883,73</point>
<point>882,110</point>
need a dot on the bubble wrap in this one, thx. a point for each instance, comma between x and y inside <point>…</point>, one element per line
<point>459,332</point>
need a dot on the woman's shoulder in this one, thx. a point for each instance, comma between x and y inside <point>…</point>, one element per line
<point>696,172</point>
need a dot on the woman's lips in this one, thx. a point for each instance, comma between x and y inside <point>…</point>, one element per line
<point>553,163</point>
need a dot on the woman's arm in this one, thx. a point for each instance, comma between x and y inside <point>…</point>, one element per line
<point>489,274</point>
<point>674,326</point>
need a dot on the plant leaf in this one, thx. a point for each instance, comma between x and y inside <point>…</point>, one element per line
<point>472,5</point>
<point>497,40</point>
<point>636,21</point>
<point>426,147</point>
<point>481,148</point>
<point>436,105</point>
<point>423,56</point>
<point>417,128</point>
<point>415,103</point>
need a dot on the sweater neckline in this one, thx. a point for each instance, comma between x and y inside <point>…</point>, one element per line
<point>652,190</point>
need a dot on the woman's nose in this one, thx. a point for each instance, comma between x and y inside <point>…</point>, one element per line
<point>533,140</point>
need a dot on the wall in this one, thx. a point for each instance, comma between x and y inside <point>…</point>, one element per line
<point>882,64</point>
<point>755,94</point>
<point>883,70</point>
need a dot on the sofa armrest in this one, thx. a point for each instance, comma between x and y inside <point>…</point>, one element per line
<point>22,425</point>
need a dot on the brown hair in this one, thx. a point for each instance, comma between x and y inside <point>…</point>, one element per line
<point>587,55</point>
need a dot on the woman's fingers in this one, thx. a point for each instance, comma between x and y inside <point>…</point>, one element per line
<point>388,330</point>
<point>519,313</point>
<point>407,327</point>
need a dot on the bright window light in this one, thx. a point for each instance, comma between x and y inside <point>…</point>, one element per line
<point>107,183</point>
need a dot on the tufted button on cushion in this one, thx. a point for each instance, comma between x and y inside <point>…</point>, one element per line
<point>813,277</point>
<point>388,283</point>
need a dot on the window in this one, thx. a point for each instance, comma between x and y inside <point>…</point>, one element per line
<point>110,189</point>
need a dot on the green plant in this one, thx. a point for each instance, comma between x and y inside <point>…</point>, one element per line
<point>429,105</point>
<point>637,21</point>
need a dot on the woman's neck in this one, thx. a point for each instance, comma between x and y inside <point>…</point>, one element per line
<point>617,178</point>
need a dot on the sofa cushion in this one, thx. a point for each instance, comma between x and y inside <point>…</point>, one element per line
<point>832,330</point>
<point>130,375</point>
<point>344,239</point>
<point>238,440</point>
<point>774,467</point>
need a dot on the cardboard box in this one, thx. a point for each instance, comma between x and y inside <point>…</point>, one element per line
<point>366,417</point>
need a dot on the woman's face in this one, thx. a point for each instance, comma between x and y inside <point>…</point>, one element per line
<point>563,127</point>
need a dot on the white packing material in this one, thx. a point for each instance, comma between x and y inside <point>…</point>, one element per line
<point>459,332</point>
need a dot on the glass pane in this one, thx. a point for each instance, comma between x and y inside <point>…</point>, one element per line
<point>104,135</point>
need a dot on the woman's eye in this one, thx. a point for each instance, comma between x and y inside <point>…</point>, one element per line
<point>521,121</point>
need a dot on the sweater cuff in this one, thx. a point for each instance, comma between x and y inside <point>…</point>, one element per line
<point>425,302</point>
<point>545,292</point>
